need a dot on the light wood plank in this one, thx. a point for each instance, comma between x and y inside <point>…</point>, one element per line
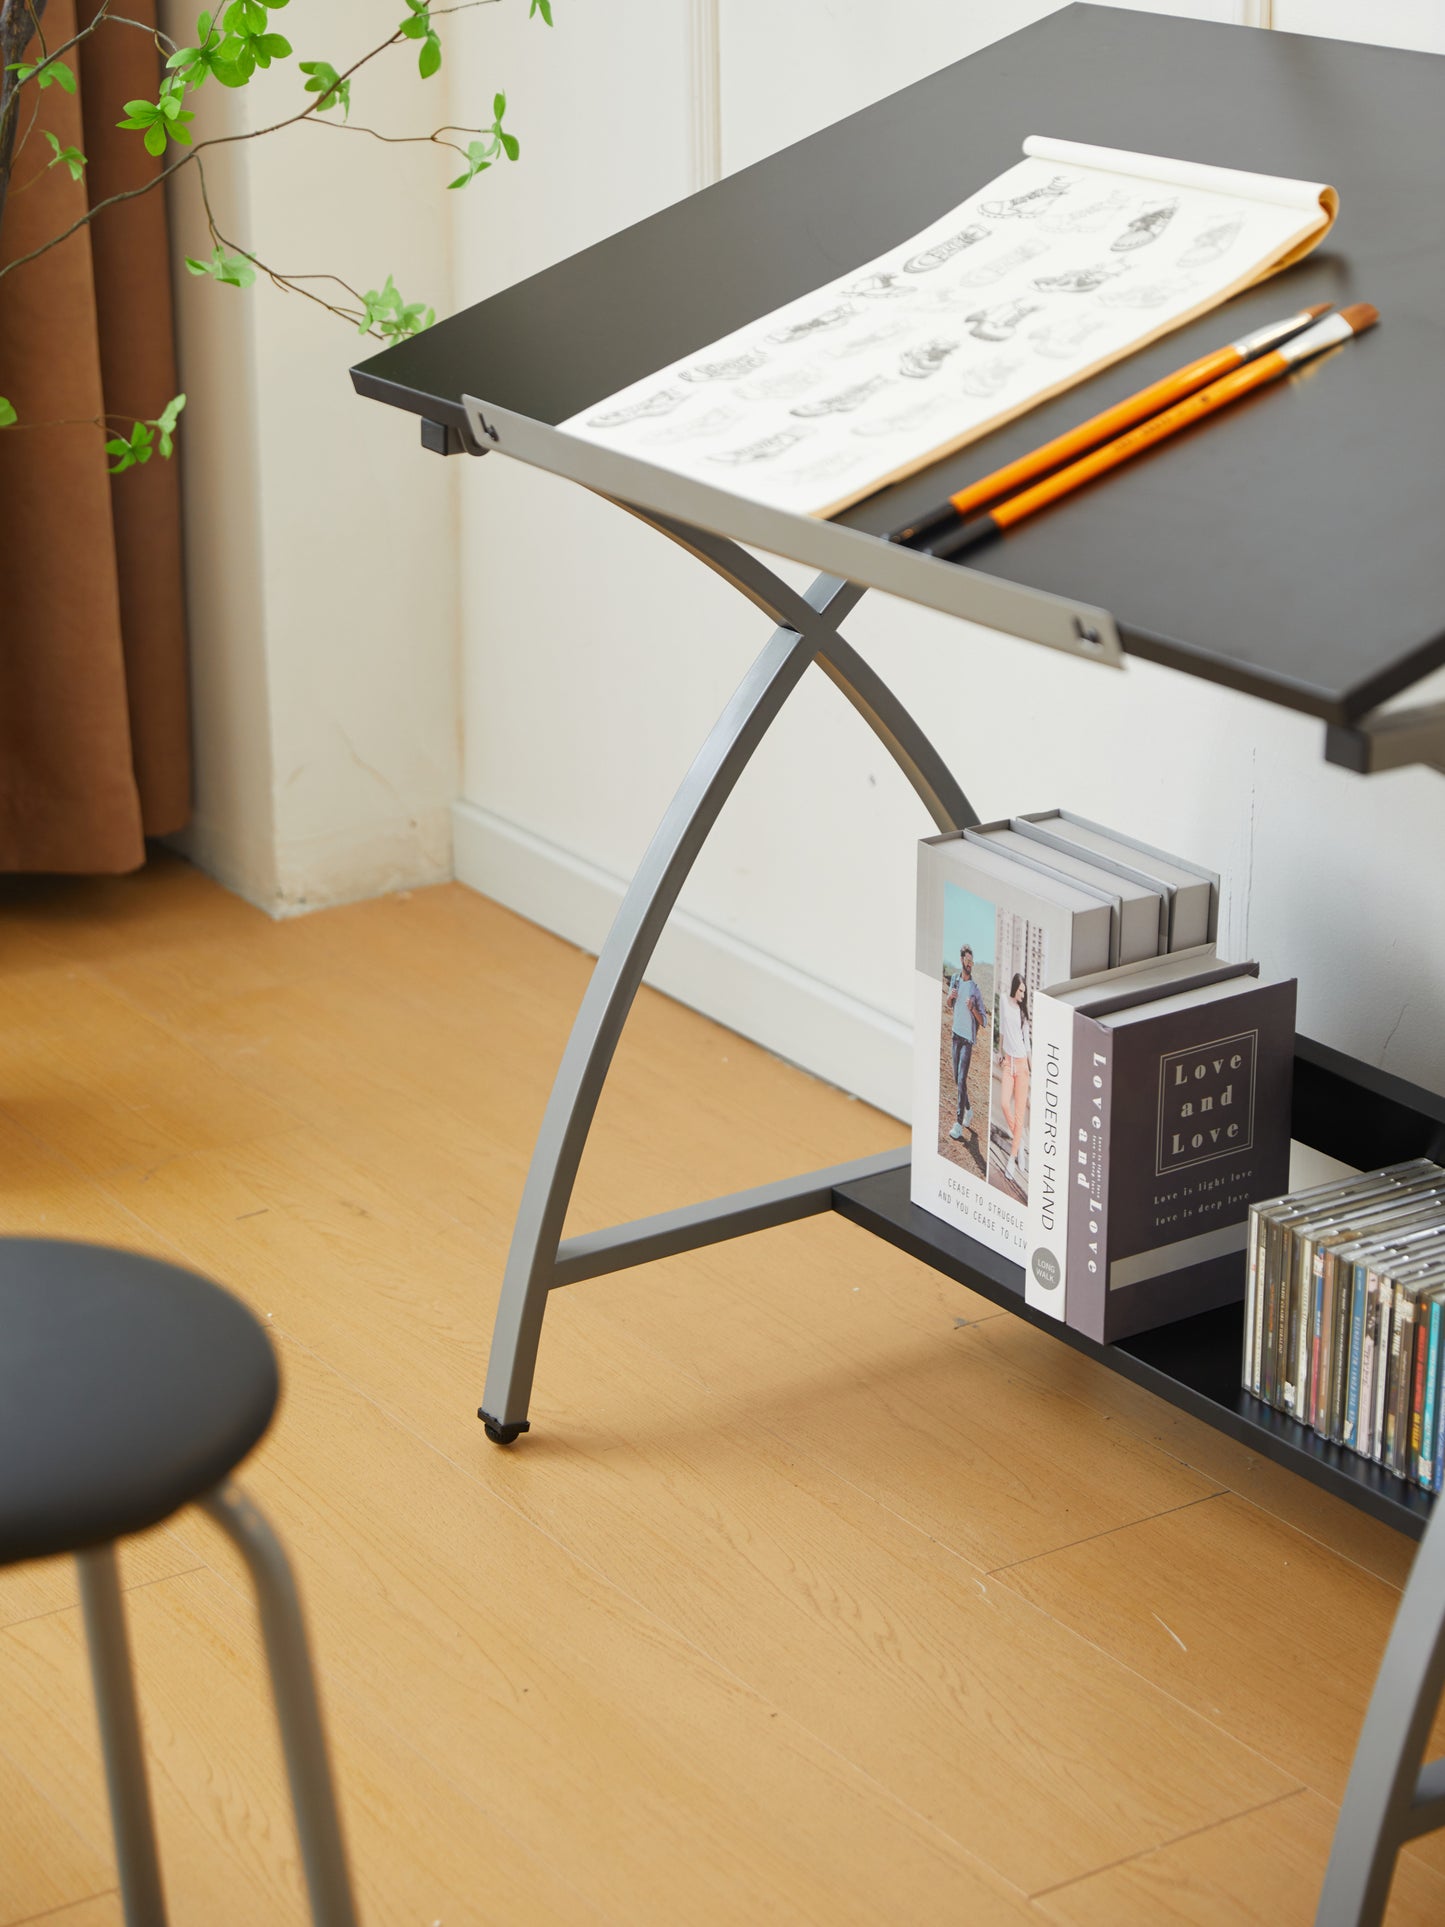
<point>719,1639</point>
<point>1240,1618</point>
<point>44,1862</point>
<point>1261,1870</point>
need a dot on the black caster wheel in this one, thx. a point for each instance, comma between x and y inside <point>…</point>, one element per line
<point>501,1434</point>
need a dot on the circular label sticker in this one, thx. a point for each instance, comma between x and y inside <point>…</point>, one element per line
<point>1046,1268</point>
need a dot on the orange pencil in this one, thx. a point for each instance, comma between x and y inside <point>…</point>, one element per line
<point>1324,334</point>
<point>1113,421</point>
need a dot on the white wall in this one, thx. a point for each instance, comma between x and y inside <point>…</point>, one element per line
<point>320,543</point>
<point>587,688</point>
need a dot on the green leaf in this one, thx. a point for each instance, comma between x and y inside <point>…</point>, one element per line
<point>130,451</point>
<point>477,163</point>
<point>165,424</point>
<point>70,157</point>
<point>155,140</point>
<point>325,80</point>
<point>430,57</point>
<point>8,416</point>
<point>511,146</point>
<point>45,73</point>
<point>386,314</point>
<point>499,105</point>
<point>275,46</point>
<point>231,270</point>
<point>544,7</point>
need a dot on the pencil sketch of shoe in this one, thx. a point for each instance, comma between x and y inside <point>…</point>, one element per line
<point>900,419</point>
<point>814,324</point>
<point>662,402</point>
<point>1148,294</point>
<point>987,272</point>
<point>919,362</point>
<point>1211,242</point>
<point>1080,280</point>
<point>695,428</point>
<point>885,285</point>
<point>942,251</point>
<point>859,344</point>
<point>1063,340</point>
<point>827,467</point>
<point>766,450</point>
<point>1146,227</point>
<point>843,401</point>
<point>985,378</point>
<point>1087,217</point>
<point>780,384</point>
<point>728,370</point>
<point>1000,322</point>
<point>1027,207</point>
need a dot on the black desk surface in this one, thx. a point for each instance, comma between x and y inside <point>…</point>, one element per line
<point>1293,547</point>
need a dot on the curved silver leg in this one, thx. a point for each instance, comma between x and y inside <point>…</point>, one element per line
<point>1392,1795</point>
<point>807,632</point>
<point>298,1710</point>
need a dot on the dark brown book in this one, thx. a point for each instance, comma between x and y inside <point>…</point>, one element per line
<point>1180,1119</point>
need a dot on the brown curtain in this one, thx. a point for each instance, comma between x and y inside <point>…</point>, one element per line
<point>94,736</point>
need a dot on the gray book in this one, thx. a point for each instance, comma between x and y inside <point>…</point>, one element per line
<point>1192,892</point>
<point>973,1044</point>
<point>1140,923</point>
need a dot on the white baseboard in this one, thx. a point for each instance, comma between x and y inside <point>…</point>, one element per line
<point>782,1008</point>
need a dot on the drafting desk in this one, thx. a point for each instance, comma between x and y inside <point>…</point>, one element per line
<point>1291,549</point>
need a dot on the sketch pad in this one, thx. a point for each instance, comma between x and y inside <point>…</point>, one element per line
<point>1069,261</point>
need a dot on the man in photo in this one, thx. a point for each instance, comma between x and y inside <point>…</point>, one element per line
<point>969,1018</point>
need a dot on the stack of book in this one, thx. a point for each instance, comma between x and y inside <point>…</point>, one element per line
<point>1097,1095</point>
<point>1344,1310</point>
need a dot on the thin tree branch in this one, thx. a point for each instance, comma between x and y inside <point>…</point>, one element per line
<point>225,140</point>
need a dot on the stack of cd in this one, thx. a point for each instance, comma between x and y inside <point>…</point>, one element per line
<point>1344,1319</point>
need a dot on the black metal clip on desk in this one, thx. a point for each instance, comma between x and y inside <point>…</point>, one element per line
<point>1290,551</point>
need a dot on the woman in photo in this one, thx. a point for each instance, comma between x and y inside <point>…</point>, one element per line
<point>1015,1042</point>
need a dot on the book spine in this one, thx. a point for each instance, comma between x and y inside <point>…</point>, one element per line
<point>1369,1363</point>
<point>1342,1303</point>
<point>1251,1283</point>
<point>1046,1256</point>
<point>1417,1392</point>
<point>1350,1430</point>
<point>1439,1445</point>
<point>1397,1413</point>
<point>1385,1309</point>
<point>1302,1328</point>
<point>1087,1304</point>
<point>1274,1242</point>
<point>1310,1405</point>
<point>1427,1423</point>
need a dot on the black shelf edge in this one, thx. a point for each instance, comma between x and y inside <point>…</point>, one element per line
<point>1193,1364</point>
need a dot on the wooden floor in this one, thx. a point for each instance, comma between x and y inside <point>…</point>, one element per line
<point>822,1592</point>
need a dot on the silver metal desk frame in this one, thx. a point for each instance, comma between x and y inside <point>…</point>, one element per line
<point>1393,1795</point>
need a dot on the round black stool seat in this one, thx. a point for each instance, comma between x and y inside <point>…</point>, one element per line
<point>128,1387</point>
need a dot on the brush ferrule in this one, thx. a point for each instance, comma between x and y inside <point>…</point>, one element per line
<point>1270,336</point>
<point>1324,334</point>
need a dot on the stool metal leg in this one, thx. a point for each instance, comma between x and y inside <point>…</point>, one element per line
<point>298,1710</point>
<point>120,1739</point>
<point>1392,1794</point>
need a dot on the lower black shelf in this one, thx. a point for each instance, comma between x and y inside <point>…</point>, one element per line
<point>1193,1364</point>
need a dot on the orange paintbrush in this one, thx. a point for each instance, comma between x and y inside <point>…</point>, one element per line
<point>1113,421</point>
<point>1324,334</point>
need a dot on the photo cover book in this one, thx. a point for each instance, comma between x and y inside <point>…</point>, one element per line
<point>1000,915</point>
<point>1070,260</point>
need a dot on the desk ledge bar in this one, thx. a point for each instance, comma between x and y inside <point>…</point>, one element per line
<point>1389,739</point>
<point>693,1225</point>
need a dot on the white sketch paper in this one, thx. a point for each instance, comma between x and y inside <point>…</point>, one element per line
<point>1070,260</point>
